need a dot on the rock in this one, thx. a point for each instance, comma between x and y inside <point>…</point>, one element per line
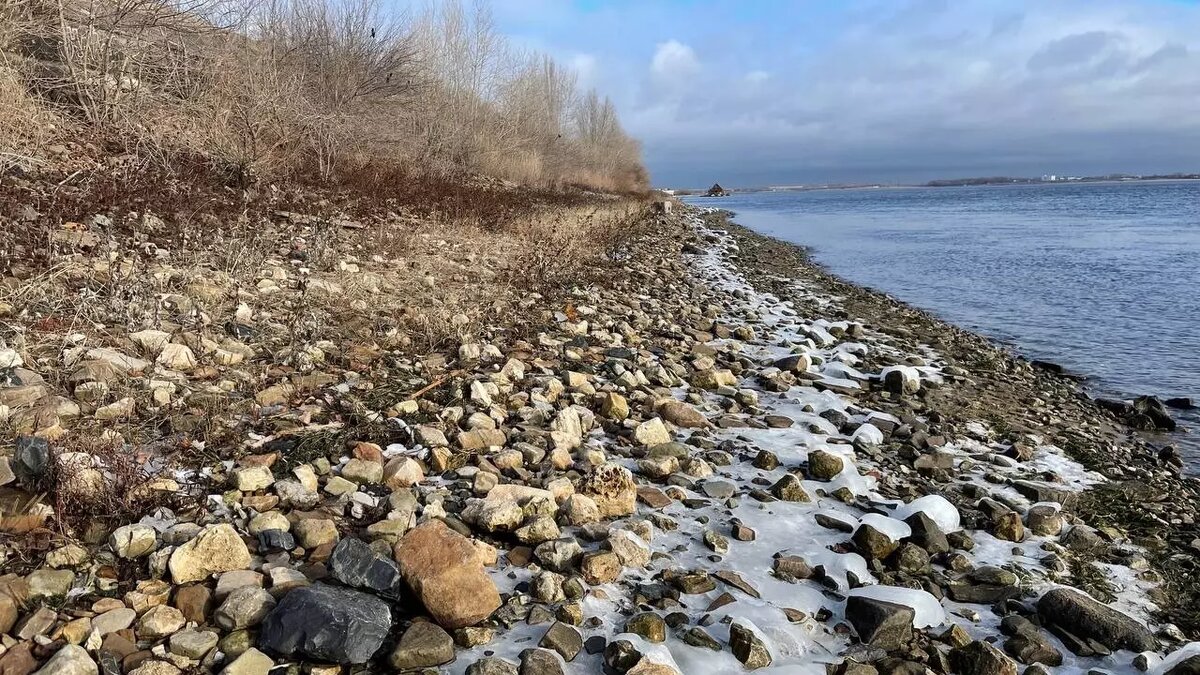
<point>651,432</point>
<point>355,564</point>
<point>559,555</point>
<point>1082,539</point>
<point>176,357</point>
<point>49,583</point>
<point>31,457</point>
<point>747,647</point>
<point>193,644</point>
<point>402,472</point>
<point>540,662</point>
<point>614,406</point>
<point>682,415</point>
<point>562,638</point>
<point>327,623</point>
<point>245,607</point>
<point>1008,526</point>
<point>873,544</point>
<point>981,658</point>
<point>630,548</point>
<point>160,621</point>
<point>364,472</point>
<point>927,534</point>
<point>1027,644</point>
<point>314,532</point>
<point>579,510</point>
<point>612,489</point>
<point>881,624</point>
<point>250,662</point>
<point>443,569</point>
<point>217,549</point>
<point>492,665</point>
<point>648,625</point>
<point>494,514</point>
<point>901,380</point>
<point>1084,617</point>
<point>133,541</point>
<point>790,489</point>
<point>70,660</point>
<point>423,645</point>
<point>824,465</point>
<point>600,567</point>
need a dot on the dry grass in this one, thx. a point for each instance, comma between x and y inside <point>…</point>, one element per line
<point>284,88</point>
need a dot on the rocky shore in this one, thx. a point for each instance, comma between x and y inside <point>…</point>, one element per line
<point>709,457</point>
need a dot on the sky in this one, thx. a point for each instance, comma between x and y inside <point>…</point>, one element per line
<point>773,92</point>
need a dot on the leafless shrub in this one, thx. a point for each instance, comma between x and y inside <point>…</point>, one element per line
<point>100,480</point>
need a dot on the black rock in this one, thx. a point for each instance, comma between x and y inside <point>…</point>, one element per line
<point>1180,403</point>
<point>927,534</point>
<point>327,623</point>
<point>271,541</point>
<point>1082,616</point>
<point>1188,666</point>
<point>621,655</point>
<point>1153,408</point>
<point>356,564</point>
<point>30,458</point>
<point>886,625</point>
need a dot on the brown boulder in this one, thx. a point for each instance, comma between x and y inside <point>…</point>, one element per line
<point>444,571</point>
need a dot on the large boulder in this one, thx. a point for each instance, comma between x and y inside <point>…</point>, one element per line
<point>444,571</point>
<point>327,623</point>
<point>217,549</point>
<point>1086,618</point>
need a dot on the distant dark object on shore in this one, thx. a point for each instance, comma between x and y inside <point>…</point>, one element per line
<point>716,191</point>
<point>1146,413</point>
<point>1180,403</point>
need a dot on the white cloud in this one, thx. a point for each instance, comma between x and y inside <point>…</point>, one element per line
<point>585,66</point>
<point>673,59</point>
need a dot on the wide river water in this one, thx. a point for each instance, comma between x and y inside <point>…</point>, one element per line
<point>1102,278</point>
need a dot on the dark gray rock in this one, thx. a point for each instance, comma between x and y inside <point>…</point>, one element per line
<point>327,623</point>
<point>1080,615</point>
<point>981,658</point>
<point>927,534</point>
<point>30,458</point>
<point>564,639</point>
<point>356,564</point>
<point>621,655</point>
<point>271,541</point>
<point>886,625</point>
<point>1027,644</point>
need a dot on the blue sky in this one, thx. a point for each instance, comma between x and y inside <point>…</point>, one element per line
<point>758,92</point>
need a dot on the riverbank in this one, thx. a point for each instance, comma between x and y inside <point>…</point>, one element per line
<point>690,451</point>
<point>1145,496</point>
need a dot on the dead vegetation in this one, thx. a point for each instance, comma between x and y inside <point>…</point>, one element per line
<point>276,89</point>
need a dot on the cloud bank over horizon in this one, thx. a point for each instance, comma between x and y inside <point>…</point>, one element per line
<point>775,92</point>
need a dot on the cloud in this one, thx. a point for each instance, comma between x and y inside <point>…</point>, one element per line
<point>673,60</point>
<point>784,92</point>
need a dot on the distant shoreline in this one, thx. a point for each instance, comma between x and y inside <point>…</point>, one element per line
<point>938,184</point>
